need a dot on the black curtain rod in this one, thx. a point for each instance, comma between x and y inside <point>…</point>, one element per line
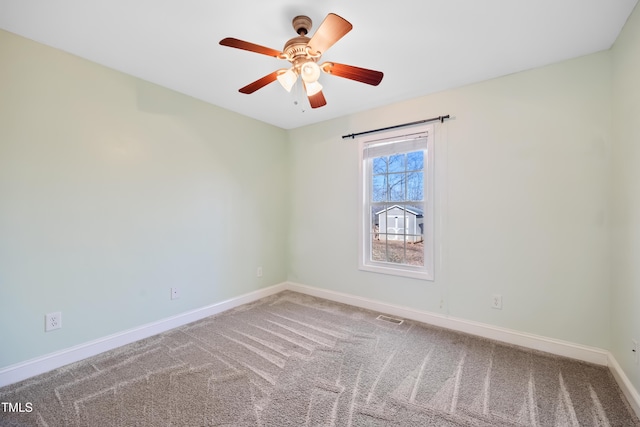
<point>440,118</point>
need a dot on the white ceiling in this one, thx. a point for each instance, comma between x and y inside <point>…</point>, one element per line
<point>422,46</point>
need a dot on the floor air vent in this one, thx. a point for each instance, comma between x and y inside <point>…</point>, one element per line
<point>390,319</point>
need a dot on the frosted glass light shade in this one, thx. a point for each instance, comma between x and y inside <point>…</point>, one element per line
<point>287,79</point>
<point>310,72</point>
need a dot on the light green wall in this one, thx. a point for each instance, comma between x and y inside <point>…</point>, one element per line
<point>522,191</point>
<point>625,197</point>
<point>113,190</point>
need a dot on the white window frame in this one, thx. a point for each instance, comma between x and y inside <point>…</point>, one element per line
<point>425,272</point>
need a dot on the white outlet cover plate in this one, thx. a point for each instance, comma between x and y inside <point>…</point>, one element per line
<point>52,321</point>
<point>496,301</point>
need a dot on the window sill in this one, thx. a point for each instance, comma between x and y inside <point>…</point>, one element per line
<point>401,272</point>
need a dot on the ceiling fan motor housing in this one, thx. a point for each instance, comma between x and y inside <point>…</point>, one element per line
<point>295,49</point>
<point>297,53</point>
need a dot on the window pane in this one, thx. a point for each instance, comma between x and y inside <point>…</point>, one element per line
<point>397,187</point>
<point>415,186</point>
<point>396,212</point>
<point>380,165</point>
<point>415,253</point>
<point>379,190</point>
<point>395,250</point>
<point>378,242</point>
<point>397,163</point>
<point>375,222</point>
<point>415,161</point>
<point>378,250</point>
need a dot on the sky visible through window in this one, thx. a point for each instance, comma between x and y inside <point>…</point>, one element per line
<point>398,177</point>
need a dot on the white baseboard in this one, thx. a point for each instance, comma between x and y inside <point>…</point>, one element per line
<point>510,336</point>
<point>623,381</point>
<point>39,365</point>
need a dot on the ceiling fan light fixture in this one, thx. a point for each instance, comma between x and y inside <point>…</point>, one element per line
<point>303,53</point>
<point>312,88</point>
<point>287,79</point>
<point>310,72</point>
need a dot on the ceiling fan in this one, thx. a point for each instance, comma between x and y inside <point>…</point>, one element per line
<point>303,53</point>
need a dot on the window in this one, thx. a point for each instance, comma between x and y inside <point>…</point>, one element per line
<point>396,184</point>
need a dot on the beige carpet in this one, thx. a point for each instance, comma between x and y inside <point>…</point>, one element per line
<point>294,360</point>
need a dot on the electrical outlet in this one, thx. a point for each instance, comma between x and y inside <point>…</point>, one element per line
<point>259,272</point>
<point>52,321</point>
<point>635,350</point>
<point>496,301</point>
<point>175,293</point>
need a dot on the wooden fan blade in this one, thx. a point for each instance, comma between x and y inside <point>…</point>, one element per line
<point>317,100</point>
<point>251,47</point>
<point>332,29</point>
<point>363,75</point>
<point>260,83</point>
